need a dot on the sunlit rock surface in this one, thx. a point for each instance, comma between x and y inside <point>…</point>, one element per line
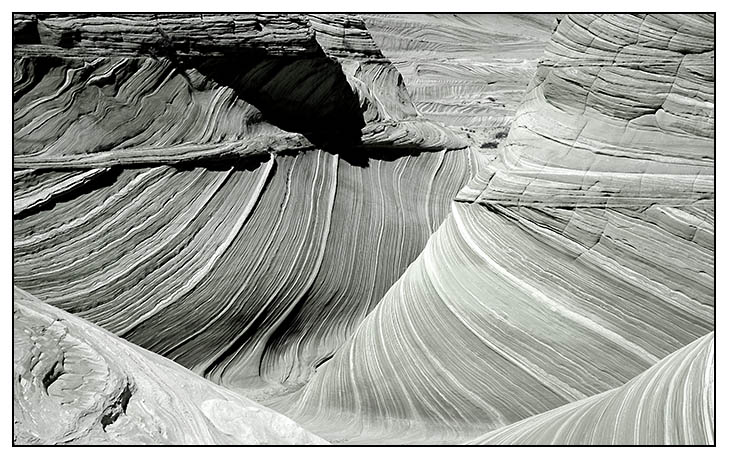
<point>467,70</point>
<point>620,113</point>
<point>672,403</point>
<point>389,228</point>
<point>526,301</point>
<point>509,320</point>
<point>74,383</point>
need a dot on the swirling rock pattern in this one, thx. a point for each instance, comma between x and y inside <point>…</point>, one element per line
<point>509,319</point>
<point>551,280</point>
<point>620,113</point>
<point>325,213</point>
<point>249,85</point>
<point>141,254</point>
<point>164,247</point>
<point>74,383</point>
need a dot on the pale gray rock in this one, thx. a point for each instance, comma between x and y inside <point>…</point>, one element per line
<point>672,403</point>
<point>578,258</point>
<point>383,228</point>
<point>74,383</point>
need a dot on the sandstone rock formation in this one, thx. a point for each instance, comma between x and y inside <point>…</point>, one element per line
<point>466,71</point>
<point>549,281</point>
<point>187,87</point>
<point>391,229</point>
<point>619,114</point>
<point>74,383</point>
<point>672,403</point>
<point>311,213</point>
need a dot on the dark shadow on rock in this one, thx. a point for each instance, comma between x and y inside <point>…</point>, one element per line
<point>361,155</point>
<point>36,67</point>
<point>308,95</point>
<point>249,163</point>
<point>105,179</point>
<point>25,30</point>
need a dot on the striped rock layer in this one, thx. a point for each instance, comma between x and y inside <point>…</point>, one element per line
<point>286,221</point>
<point>178,207</point>
<point>266,285</point>
<point>566,267</point>
<point>103,90</point>
<point>75,383</point>
<point>619,114</point>
<point>466,70</point>
<point>672,403</point>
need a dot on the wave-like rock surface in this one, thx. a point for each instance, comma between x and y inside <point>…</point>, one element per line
<point>311,241</point>
<point>501,318</point>
<point>75,383</point>
<point>313,238</point>
<point>104,90</point>
<point>260,199</point>
<point>672,403</point>
<point>620,113</point>
<point>522,304</point>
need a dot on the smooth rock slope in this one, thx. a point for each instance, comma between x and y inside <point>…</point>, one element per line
<point>670,403</point>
